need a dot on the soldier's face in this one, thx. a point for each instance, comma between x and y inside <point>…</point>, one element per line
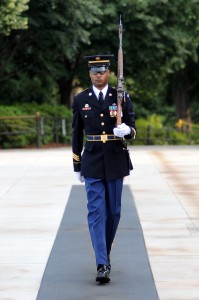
<point>99,80</point>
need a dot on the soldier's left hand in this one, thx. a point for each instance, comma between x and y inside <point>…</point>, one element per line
<point>122,130</point>
<point>80,177</point>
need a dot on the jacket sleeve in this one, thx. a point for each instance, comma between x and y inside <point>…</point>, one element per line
<point>77,135</point>
<point>128,116</point>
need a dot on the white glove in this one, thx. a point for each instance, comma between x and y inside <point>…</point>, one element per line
<point>121,130</point>
<point>80,177</point>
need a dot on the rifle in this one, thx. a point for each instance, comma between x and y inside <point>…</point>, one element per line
<point>120,78</point>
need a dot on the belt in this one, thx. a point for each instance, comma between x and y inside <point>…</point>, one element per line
<point>102,138</point>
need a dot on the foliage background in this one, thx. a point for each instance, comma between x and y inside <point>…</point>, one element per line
<point>42,44</point>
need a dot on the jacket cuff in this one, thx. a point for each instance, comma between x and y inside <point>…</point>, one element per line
<point>77,167</point>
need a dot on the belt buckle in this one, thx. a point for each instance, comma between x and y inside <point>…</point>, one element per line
<point>104,138</point>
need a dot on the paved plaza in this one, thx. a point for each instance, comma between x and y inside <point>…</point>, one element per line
<point>35,192</point>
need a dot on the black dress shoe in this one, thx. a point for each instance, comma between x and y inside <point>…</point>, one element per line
<point>102,274</point>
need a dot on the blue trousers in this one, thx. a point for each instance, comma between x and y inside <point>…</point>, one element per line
<point>104,210</point>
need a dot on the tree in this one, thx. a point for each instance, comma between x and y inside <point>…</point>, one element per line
<point>165,45</point>
<point>56,33</point>
<point>160,41</point>
<point>160,44</point>
<point>47,53</point>
<point>11,17</point>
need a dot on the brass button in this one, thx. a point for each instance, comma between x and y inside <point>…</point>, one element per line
<point>102,123</point>
<point>101,115</point>
<point>103,132</point>
<point>85,116</point>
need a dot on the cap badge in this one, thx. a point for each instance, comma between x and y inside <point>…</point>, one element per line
<point>97,58</point>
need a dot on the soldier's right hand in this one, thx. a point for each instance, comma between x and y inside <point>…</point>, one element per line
<point>121,130</point>
<point>80,177</point>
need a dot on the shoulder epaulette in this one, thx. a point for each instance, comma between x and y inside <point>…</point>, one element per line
<point>81,92</point>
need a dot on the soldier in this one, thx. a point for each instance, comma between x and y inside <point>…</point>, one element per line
<point>105,159</point>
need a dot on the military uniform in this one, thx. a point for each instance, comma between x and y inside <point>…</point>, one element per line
<point>103,160</point>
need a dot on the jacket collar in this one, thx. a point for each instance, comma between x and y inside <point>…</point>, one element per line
<point>110,98</point>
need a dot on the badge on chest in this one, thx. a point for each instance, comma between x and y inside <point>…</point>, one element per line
<point>113,110</point>
<point>86,107</point>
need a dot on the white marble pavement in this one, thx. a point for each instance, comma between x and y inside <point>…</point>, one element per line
<point>35,186</point>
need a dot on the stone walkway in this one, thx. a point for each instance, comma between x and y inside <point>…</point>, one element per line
<point>35,186</point>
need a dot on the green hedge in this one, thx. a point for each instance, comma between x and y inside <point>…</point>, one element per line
<point>150,131</point>
<point>154,131</point>
<point>51,117</point>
